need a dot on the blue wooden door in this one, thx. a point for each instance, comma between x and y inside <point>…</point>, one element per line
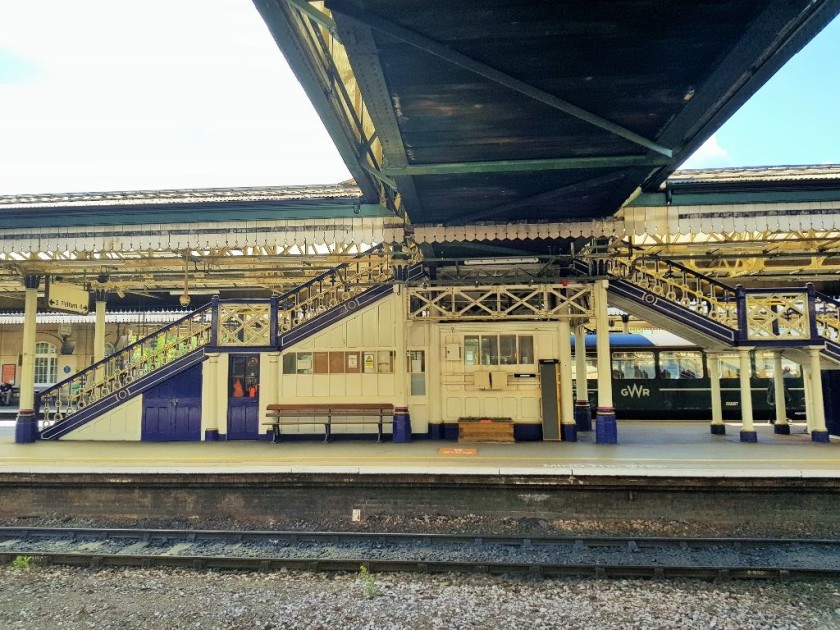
<point>172,409</point>
<point>244,398</point>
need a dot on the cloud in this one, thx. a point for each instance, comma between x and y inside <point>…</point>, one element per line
<point>710,155</point>
<point>158,94</point>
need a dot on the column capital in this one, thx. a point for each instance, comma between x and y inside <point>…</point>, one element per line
<point>31,281</point>
<point>100,295</point>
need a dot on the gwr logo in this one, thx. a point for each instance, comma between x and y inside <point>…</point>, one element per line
<point>635,391</point>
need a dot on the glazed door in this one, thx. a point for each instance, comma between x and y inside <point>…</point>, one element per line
<point>244,397</point>
<point>172,409</point>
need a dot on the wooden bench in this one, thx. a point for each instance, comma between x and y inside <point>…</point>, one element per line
<point>330,413</point>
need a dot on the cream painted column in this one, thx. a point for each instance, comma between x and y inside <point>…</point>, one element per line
<point>435,391</point>
<point>781,426</point>
<point>819,433</point>
<point>400,344</point>
<point>269,385</point>
<point>26,424</point>
<point>583,412</point>
<point>401,425</point>
<point>101,296</point>
<point>717,426</point>
<point>209,407</point>
<point>807,393</point>
<point>568,428</point>
<point>27,369</point>
<point>747,428</point>
<point>606,430</point>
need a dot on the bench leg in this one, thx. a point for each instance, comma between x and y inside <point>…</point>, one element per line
<point>276,438</point>
<point>327,428</point>
<point>379,426</point>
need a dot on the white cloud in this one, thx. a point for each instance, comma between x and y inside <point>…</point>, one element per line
<point>710,155</point>
<point>157,94</point>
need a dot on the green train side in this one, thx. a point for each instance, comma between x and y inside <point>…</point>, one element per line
<point>661,376</point>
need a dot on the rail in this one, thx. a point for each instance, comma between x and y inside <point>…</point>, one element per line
<point>585,556</point>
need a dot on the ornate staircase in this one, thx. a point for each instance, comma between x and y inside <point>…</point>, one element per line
<point>258,325</point>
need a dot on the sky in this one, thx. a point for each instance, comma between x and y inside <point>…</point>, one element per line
<point>97,95</point>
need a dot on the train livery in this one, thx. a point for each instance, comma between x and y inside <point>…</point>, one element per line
<point>662,376</point>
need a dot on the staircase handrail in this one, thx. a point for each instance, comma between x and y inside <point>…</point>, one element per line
<point>708,297</point>
<point>827,314</point>
<point>120,368</point>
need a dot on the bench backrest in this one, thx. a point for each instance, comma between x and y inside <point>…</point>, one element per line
<point>335,407</point>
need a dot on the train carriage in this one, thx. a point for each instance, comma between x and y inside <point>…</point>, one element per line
<point>662,376</point>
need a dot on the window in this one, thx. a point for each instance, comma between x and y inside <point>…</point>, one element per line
<point>681,364</point>
<point>498,350</point>
<point>46,363</point>
<point>730,366</point>
<point>764,367</point>
<point>633,365</point>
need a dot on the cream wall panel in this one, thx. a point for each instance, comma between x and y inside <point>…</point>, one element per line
<point>510,408</point>
<point>354,332</point>
<point>386,387</point>
<point>472,407</point>
<point>491,407</point>
<point>305,387</point>
<point>419,418</point>
<point>354,382</point>
<point>370,327</point>
<point>531,409</point>
<point>369,385</point>
<point>337,385</point>
<point>288,386</point>
<point>222,393</point>
<point>454,407</point>
<point>120,424</point>
<point>418,335</point>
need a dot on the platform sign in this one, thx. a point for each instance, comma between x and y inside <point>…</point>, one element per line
<point>68,298</point>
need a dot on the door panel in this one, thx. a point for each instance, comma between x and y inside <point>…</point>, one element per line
<point>172,409</point>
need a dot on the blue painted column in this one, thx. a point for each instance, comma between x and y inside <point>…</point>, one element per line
<point>606,428</point>
<point>748,433</point>
<point>717,427</point>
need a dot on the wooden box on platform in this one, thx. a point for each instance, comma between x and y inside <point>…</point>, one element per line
<point>485,430</point>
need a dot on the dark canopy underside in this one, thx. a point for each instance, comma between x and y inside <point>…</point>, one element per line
<point>510,110</point>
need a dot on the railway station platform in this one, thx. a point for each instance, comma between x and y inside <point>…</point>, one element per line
<point>645,448</point>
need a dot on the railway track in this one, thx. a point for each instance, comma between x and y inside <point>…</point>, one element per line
<point>609,557</point>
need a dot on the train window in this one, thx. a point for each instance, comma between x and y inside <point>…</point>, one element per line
<point>680,364</point>
<point>633,365</point>
<point>764,366</point>
<point>729,366</point>
<point>591,368</point>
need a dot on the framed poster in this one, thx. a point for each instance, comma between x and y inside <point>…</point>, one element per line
<point>369,361</point>
<point>9,373</point>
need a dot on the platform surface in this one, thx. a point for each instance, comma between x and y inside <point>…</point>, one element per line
<point>645,448</point>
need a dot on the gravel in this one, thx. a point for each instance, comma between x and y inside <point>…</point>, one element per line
<point>65,597</point>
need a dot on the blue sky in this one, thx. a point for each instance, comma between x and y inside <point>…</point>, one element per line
<point>100,95</point>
